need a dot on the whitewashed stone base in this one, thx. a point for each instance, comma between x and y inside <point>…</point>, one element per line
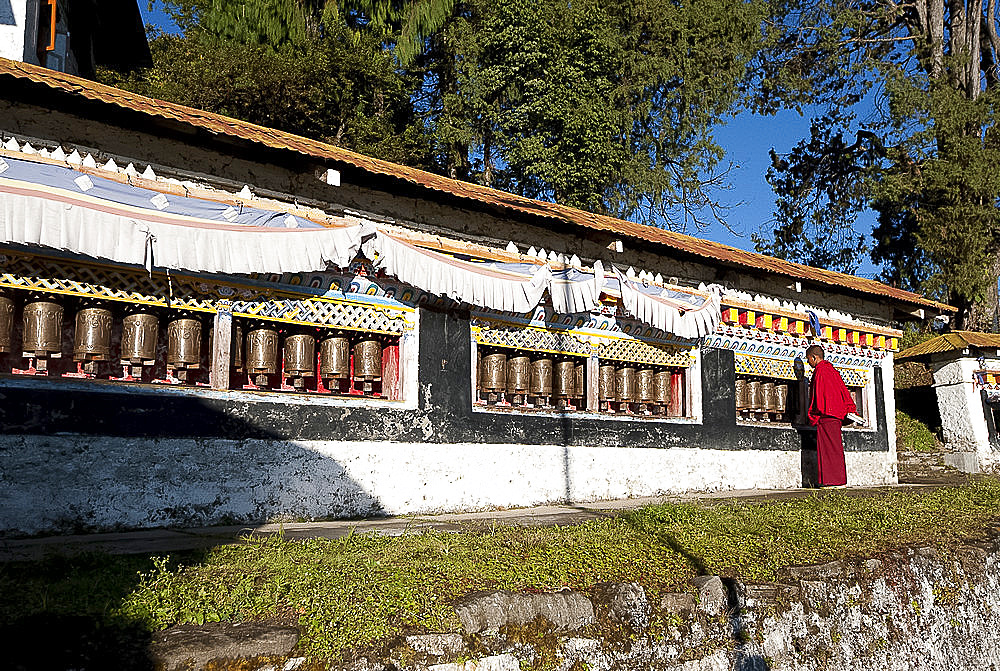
<point>58,484</point>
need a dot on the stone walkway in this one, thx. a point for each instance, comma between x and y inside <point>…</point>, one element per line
<point>153,541</point>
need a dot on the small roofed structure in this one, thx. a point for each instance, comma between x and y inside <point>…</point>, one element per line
<point>966,370</point>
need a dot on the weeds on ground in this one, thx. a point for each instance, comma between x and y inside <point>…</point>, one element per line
<point>364,589</point>
<point>913,435</point>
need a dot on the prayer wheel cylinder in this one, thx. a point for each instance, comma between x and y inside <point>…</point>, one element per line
<point>42,335</point>
<point>780,397</point>
<point>606,383</point>
<point>626,387</point>
<point>579,383</point>
<point>647,385</point>
<point>767,390</point>
<point>300,355</point>
<point>140,332</point>
<point>183,346</point>
<point>92,337</point>
<point>755,396</point>
<point>335,358</point>
<point>541,377</point>
<point>742,403</point>
<point>367,360</point>
<point>564,384</point>
<point>6,322</point>
<point>518,377</point>
<point>261,354</point>
<point>663,387</point>
<point>493,374</point>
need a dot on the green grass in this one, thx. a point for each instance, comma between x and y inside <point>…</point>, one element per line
<point>362,590</point>
<point>914,435</point>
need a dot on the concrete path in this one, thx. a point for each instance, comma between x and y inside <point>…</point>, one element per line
<point>162,541</point>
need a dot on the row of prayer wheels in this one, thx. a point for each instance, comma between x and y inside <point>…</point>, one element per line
<point>258,355</point>
<point>521,379</point>
<point>633,388</point>
<point>761,399</point>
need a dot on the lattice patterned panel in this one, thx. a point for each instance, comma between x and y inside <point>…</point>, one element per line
<point>21,271</point>
<point>765,367</point>
<point>345,315</point>
<point>854,377</point>
<point>624,349</point>
<point>537,340</point>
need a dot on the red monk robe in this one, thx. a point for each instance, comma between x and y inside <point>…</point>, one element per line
<point>828,406</point>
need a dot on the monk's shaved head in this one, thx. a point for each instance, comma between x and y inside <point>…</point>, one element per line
<point>815,350</point>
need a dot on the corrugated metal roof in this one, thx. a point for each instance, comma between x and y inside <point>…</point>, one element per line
<point>216,123</point>
<point>951,342</point>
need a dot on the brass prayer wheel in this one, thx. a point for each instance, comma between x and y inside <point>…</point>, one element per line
<point>647,385</point>
<point>367,360</point>
<point>300,355</point>
<point>493,374</point>
<point>767,390</point>
<point>541,377</point>
<point>42,335</point>
<point>755,395</point>
<point>742,401</point>
<point>626,387</point>
<point>663,387</point>
<point>780,397</point>
<point>92,337</point>
<point>261,354</point>
<point>335,358</point>
<point>564,384</point>
<point>140,332</point>
<point>606,384</point>
<point>518,378</point>
<point>6,322</point>
<point>183,346</point>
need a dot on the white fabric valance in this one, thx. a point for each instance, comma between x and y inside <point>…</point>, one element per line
<point>460,280</point>
<point>695,323</point>
<point>209,247</point>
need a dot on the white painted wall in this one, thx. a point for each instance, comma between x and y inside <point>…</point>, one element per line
<point>963,424</point>
<point>12,27</point>
<point>61,483</point>
<point>889,394</point>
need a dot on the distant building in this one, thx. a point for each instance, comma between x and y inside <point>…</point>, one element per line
<point>966,370</point>
<point>74,37</point>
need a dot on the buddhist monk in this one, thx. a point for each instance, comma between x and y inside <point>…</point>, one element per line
<point>829,405</point>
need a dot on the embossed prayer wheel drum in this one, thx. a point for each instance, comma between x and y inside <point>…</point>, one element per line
<point>92,337</point>
<point>541,378</point>
<point>183,346</point>
<point>335,358</point>
<point>663,393</point>
<point>261,354</point>
<point>606,386</point>
<point>755,396</point>
<point>518,378</point>
<point>742,401</point>
<point>6,322</point>
<point>564,384</point>
<point>493,374</point>
<point>42,335</point>
<point>780,398</point>
<point>300,359</point>
<point>367,363</point>
<point>626,385</point>
<point>647,385</point>
<point>140,332</point>
<point>770,402</point>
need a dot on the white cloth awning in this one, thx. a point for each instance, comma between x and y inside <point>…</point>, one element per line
<point>695,323</point>
<point>72,225</point>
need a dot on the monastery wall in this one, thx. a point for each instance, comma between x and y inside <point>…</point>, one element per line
<point>100,456</point>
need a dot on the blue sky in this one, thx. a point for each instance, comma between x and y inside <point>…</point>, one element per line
<point>747,139</point>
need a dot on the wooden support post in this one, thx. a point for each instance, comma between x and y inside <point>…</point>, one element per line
<point>222,346</point>
<point>593,380</point>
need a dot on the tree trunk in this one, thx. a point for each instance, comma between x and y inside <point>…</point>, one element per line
<point>983,315</point>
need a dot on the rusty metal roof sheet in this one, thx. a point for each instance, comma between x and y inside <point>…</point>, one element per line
<point>276,139</point>
<point>951,342</point>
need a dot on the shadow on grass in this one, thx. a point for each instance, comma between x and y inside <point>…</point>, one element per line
<point>63,613</point>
